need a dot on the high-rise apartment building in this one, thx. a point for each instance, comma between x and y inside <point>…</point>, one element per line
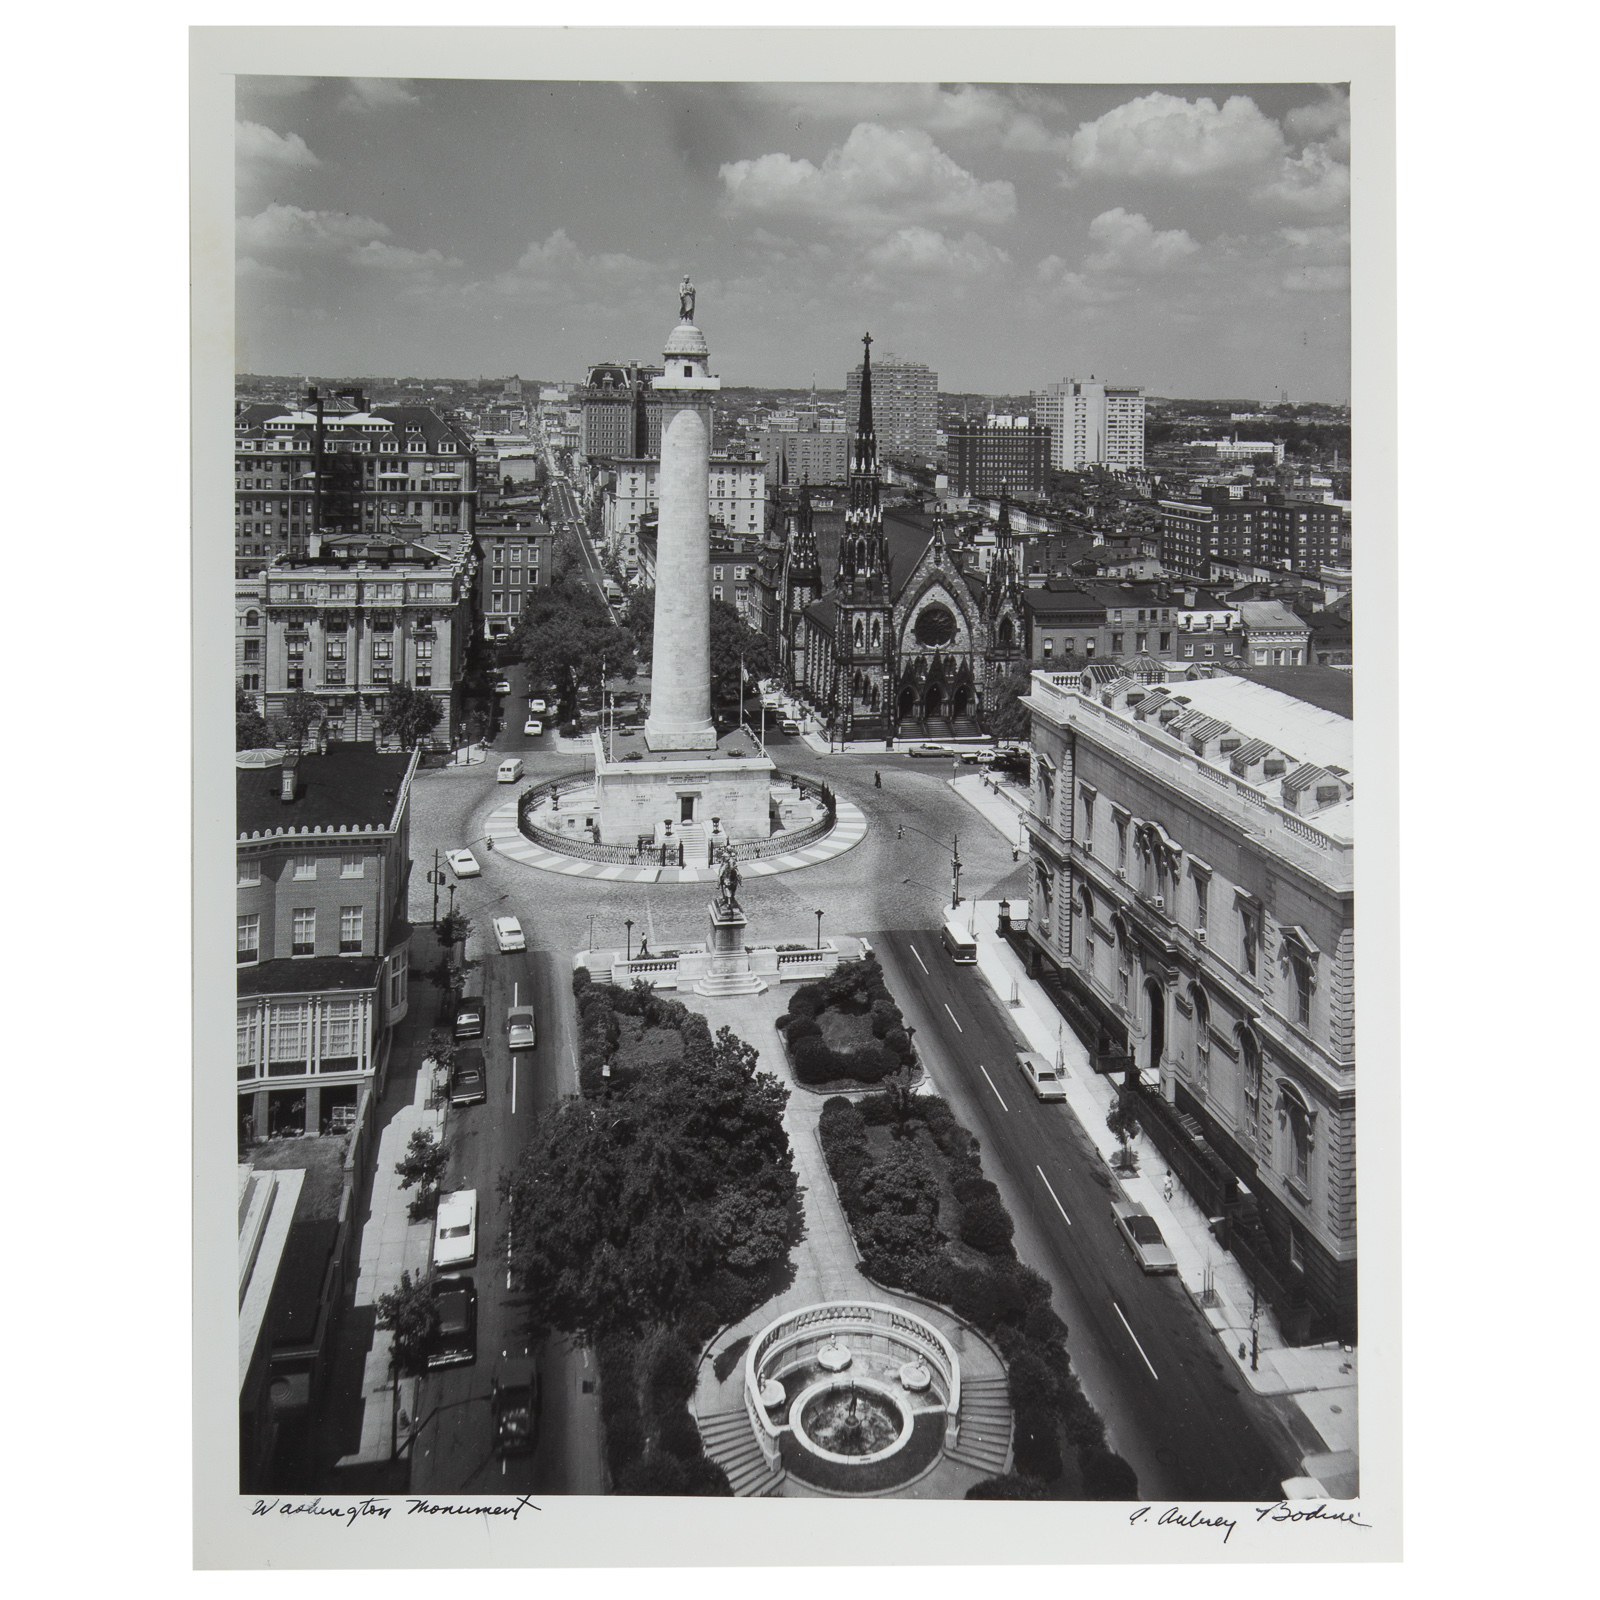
<point>1093,424</point>
<point>805,447</point>
<point>905,406</point>
<point>999,453</point>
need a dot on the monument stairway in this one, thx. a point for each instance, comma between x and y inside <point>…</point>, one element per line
<point>694,836</point>
<point>985,1424</point>
<point>730,1442</point>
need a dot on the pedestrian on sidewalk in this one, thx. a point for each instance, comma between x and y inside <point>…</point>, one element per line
<point>899,830</point>
<point>1166,1188</point>
<point>877,780</point>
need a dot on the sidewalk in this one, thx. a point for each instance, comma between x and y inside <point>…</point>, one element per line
<point>1320,1382</point>
<point>999,804</point>
<point>391,1244</point>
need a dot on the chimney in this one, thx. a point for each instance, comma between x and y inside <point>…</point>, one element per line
<point>314,546</point>
<point>286,781</point>
<point>1189,597</point>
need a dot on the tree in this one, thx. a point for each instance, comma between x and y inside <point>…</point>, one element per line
<point>301,712</point>
<point>422,1167</point>
<point>731,638</point>
<point>250,730</point>
<point>639,618</point>
<point>1008,717</point>
<point>410,715</point>
<point>1123,1120</point>
<point>440,1047</point>
<point>567,639</point>
<point>411,1315</point>
<point>454,927</point>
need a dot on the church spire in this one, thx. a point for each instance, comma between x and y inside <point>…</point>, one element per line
<point>863,557</point>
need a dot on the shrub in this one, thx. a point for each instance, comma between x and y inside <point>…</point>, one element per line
<point>1010,1487</point>
<point>986,1225</point>
<point>1036,1451</point>
<point>1043,1324</point>
<point>803,1028</point>
<point>803,1002</point>
<point>840,1118</point>
<point>933,1278</point>
<point>669,1367</point>
<point>814,1062</point>
<point>580,981</point>
<point>702,1476</point>
<point>899,1041</point>
<point>656,1474</point>
<point>970,1187</point>
<point>877,1110</point>
<point>885,1015</point>
<point>678,1434</point>
<point>1106,1476</point>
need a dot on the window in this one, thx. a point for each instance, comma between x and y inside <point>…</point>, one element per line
<point>1296,1118</point>
<point>350,930</point>
<point>249,939</point>
<point>252,650</point>
<point>1248,933</point>
<point>1116,644</point>
<point>1141,641</point>
<point>302,867</point>
<point>1088,818</point>
<point>1250,1061</point>
<point>1122,842</point>
<point>249,871</point>
<point>248,1054</point>
<point>352,866</point>
<point>1302,989</point>
<point>1202,1039</point>
<point>334,649</point>
<point>305,932</point>
<point>288,1036</point>
<point>424,649</point>
<point>1202,895</point>
<point>1166,643</point>
<point>294,678</point>
<point>382,649</point>
<point>1049,648</point>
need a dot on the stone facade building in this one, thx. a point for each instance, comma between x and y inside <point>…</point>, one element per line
<point>1192,852</point>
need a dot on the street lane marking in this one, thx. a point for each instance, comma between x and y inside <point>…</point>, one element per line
<point>952,1016</point>
<point>1059,1207</point>
<point>1136,1345</point>
<point>920,962</point>
<point>990,1081</point>
<point>513,1085</point>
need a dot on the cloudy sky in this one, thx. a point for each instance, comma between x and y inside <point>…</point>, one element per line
<point>1192,238</point>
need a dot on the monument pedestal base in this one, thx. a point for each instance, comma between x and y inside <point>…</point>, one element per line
<point>729,966</point>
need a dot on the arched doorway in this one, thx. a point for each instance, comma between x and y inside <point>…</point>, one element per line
<point>1156,999</point>
<point>933,699</point>
<point>908,701</point>
<point>960,701</point>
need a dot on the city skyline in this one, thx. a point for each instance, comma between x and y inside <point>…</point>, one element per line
<point>1191,239</point>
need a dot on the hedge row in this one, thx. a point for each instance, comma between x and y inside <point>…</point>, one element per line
<point>854,988</point>
<point>653,1446</point>
<point>886,1196</point>
<point>599,1006</point>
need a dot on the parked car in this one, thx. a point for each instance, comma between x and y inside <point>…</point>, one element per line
<point>533,727</point>
<point>1142,1231</point>
<point>455,1233</point>
<point>463,863</point>
<point>789,726</point>
<point>977,758</point>
<point>515,1403</point>
<point>1045,1079</point>
<point>469,1017</point>
<point>521,1032</point>
<point>468,1079</point>
<point>508,934</point>
<point>502,686</point>
<point>457,1339</point>
<point>537,708</point>
<point>928,750</point>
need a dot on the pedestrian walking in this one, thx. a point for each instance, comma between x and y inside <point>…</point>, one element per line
<point>1166,1188</point>
<point>899,830</point>
<point>877,780</point>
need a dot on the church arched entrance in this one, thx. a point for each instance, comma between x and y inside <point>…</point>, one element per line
<point>933,700</point>
<point>960,701</point>
<point>908,702</point>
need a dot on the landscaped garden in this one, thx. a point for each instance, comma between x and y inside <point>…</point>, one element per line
<point>927,1221</point>
<point>846,1029</point>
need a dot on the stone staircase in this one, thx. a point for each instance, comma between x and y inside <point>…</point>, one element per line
<point>985,1425</point>
<point>966,728</point>
<point>730,1442</point>
<point>693,836</point>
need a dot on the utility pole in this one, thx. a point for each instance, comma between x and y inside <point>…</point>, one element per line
<point>955,871</point>
<point>1255,1328</point>
<point>435,879</point>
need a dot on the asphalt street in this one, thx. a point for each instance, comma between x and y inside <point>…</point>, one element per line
<point>1142,1350</point>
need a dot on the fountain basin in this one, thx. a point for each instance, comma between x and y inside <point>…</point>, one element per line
<point>884,1407</point>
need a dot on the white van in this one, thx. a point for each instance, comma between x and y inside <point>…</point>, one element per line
<point>959,938</point>
<point>510,770</point>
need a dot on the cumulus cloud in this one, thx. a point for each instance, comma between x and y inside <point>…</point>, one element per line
<point>1314,260</point>
<point>558,270</point>
<point>876,181</point>
<point>261,152</point>
<point>1326,121</point>
<point>1311,182</point>
<point>377,94</point>
<point>1162,135</point>
<point>1058,280</point>
<point>343,236</point>
<point>1128,243</point>
<point>925,252</point>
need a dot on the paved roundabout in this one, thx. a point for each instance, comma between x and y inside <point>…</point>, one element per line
<point>848,830</point>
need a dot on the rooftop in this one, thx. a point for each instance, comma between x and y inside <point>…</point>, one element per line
<point>307,975</point>
<point>630,749</point>
<point>349,786</point>
<point>1300,728</point>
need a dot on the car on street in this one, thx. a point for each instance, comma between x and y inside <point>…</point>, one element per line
<point>533,727</point>
<point>537,708</point>
<point>928,750</point>
<point>469,1017</point>
<point>508,934</point>
<point>1042,1075</point>
<point>456,1342</point>
<point>514,1403</point>
<point>790,727</point>
<point>468,1079</point>
<point>1142,1231</point>
<point>502,686</point>
<point>463,863</point>
<point>455,1233</point>
<point>521,1032</point>
<point>977,758</point>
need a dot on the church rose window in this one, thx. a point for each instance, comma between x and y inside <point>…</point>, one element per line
<point>935,626</point>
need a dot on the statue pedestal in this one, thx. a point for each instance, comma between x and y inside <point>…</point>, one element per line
<point>729,965</point>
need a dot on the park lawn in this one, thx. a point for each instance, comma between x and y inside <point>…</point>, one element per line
<point>845,1030</point>
<point>639,1046</point>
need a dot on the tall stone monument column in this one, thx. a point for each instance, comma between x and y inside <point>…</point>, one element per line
<point>680,673</point>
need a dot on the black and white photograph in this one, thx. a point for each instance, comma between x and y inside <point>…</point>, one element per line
<point>794,799</point>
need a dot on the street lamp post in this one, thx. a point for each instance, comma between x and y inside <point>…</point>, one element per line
<point>628,924</point>
<point>955,871</point>
<point>819,930</point>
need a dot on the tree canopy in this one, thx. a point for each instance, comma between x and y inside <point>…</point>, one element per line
<point>635,1209</point>
<point>410,715</point>
<point>568,640</point>
<point>731,637</point>
<point>1008,717</point>
<point>250,731</point>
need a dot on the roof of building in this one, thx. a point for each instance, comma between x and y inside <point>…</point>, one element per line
<point>1326,687</point>
<point>350,786</point>
<point>1297,727</point>
<point>1268,614</point>
<point>296,1300</point>
<point>1057,597</point>
<point>308,975</point>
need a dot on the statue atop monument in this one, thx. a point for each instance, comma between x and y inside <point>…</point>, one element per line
<point>686,300</point>
<point>727,898</point>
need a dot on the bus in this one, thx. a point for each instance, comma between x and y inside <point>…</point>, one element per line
<point>959,937</point>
